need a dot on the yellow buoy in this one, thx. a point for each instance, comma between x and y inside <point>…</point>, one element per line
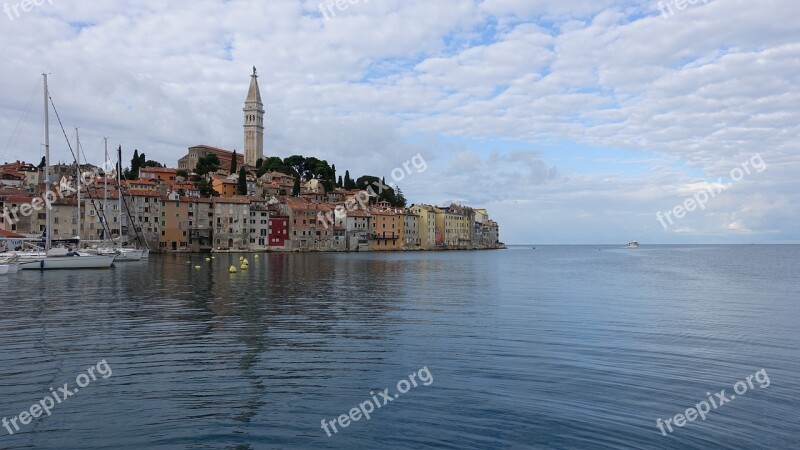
<point>245,261</point>
<point>244,267</point>
<point>233,269</point>
<point>255,256</point>
<point>197,267</point>
<point>208,259</point>
<point>213,257</point>
<point>241,258</point>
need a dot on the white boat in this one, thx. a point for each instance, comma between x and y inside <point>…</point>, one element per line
<point>123,253</point>
<point>632,244</point>
<point>8,268</point>
<point>61,258</point>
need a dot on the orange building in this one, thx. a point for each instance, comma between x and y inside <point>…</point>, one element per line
<point>174,223</point>
<point>387,230</point>
<point>226,187</point>
<point>160,174</point>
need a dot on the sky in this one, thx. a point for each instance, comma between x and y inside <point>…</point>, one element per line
<point>571,122</point>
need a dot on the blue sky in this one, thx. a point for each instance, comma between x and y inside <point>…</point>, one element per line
<point>570,121</point>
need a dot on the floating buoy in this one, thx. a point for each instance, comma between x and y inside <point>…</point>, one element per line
<point>241,258</point>
<point>197,267</point>
<point>188,262</point>
<point>245,261</point>
<point>244,267</point>
<point>208,259</point>
<point>213,257</point>
<point>232,269</point>
<point>255,256</point>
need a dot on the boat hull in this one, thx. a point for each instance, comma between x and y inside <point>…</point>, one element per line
<point>135,255</point>
<point>70,262</point>
<point>8,269</point>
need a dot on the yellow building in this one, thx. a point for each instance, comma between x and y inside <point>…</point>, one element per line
<point>386,231</point>
<point>426,225</point>
<point>455,225</point>
<point>225,186</point>
<point>174,224</point>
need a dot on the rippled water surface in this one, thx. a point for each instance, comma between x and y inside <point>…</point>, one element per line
<point>557,347</point>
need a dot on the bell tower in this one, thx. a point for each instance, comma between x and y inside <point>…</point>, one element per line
<point>253,123</point>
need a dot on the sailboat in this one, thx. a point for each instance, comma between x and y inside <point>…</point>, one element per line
<point>59,258</point>
<point>123,253</point>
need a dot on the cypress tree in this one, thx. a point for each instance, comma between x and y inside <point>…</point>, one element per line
<point>241,186</point>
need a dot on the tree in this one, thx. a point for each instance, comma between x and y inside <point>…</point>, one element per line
<point>400,199</point>
<point>151,163</point>
<point>259,162</point>
<point>234,163</point>
<point>182,173</point>
<point>340,183</point>
<point>296,187</point>
<point>348,182</point>
<point>241,186</point>
<point>207,164</point>
<point>296,163</point>
<point>137,162</point>
<point>42,163</point>
<point>206,189</point>
<point>274,164</point>
<point>332,174</point>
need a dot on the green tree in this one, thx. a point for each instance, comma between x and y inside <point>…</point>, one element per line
<point>400,199</point>
<point>274,164</point>
<point>206,189</point>
<point>151,163</point>
<point>183,174</point>
<point>348,182</point>
<point>42,163</point>
<point>297,164</point>
<point>241,186</point>
<point>234,163</point>
<point>340,183</point>
<point>296,187</point>
<point>207,164</point>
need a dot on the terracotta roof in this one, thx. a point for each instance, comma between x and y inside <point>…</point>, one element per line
<point>10,234</point>
<point>158,170</point>
<point>236,200</point>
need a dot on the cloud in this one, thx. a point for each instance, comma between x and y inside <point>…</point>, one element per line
<point>687,97</point>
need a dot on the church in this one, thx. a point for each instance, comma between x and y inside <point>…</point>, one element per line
<point>253,135</point>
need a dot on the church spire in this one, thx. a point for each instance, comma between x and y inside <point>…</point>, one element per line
<point>253,123</point>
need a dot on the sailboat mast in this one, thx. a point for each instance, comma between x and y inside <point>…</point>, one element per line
<point>48,241</point>
<point>105,187</point>
<point>119,186</point>
<point>78,150</point>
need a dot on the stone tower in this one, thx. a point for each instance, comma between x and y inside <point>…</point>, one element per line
<point>253,123</point>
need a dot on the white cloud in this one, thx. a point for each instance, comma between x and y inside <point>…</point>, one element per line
<point>702,89</point>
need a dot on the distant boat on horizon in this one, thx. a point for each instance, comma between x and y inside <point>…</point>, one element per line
<point>632,244</point>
